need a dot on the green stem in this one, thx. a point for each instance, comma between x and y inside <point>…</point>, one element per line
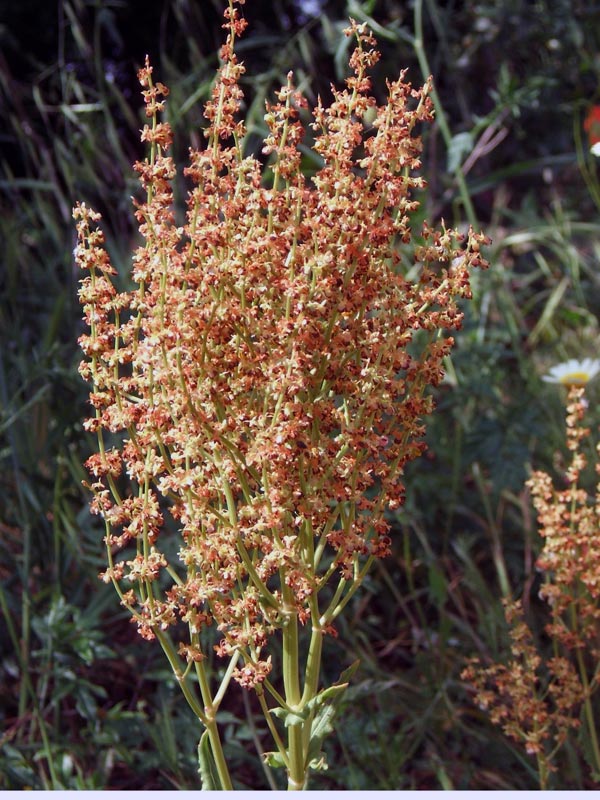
<point>218,755</point>
<point>291,683</point>
<point>497,552</point>
<point>296,771</point>
<point>226,679</point>
<point>256,740</point>
<point>189,694</point>
<point>587,703</point>
<point>211,707</point>
<point>542,771</point>
<point>269,720</point>
<point>313,661</point>
<point>206,715</point>
<point>335,607</point>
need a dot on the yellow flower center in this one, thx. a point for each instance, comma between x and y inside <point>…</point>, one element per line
<point>575,379</point>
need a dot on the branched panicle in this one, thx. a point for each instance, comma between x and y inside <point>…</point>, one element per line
<point>538,702</point>
<point>264,379</point>
<point>535,703</point>
<point>569,520</point>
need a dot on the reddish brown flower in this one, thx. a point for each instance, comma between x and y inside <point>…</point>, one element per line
<point>267,378</point>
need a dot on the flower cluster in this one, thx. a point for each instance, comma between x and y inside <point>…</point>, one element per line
<point>266,380</point>
<point>537,702</point>
<point>569,521</point>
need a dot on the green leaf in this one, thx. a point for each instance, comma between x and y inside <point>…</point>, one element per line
<point>461,144</point>
<point>327,702</point>
<point>437,584</point>
<point>325,695</point>
<point>322,726</point>
<point>348,673</point>
<point>291,717</point>
<point>207,767</point>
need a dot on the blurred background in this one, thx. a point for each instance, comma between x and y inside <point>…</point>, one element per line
<point>84,702</point>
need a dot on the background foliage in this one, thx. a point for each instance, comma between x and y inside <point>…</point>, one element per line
<point>84,703</point>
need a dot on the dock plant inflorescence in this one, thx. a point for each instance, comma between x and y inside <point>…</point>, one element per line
<point>259,391</point>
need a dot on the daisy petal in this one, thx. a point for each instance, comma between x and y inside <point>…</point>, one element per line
<point>573,372</point>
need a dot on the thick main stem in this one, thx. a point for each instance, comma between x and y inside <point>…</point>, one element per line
<point>291,683</point>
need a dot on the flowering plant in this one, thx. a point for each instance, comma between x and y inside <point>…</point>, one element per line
<point>258,393</point>
<point>539,701</point>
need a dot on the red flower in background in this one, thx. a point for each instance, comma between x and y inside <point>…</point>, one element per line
<point>591,125</point>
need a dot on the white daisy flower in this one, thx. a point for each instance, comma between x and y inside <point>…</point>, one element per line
<point>573,372</point>
<point>595,149</point>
